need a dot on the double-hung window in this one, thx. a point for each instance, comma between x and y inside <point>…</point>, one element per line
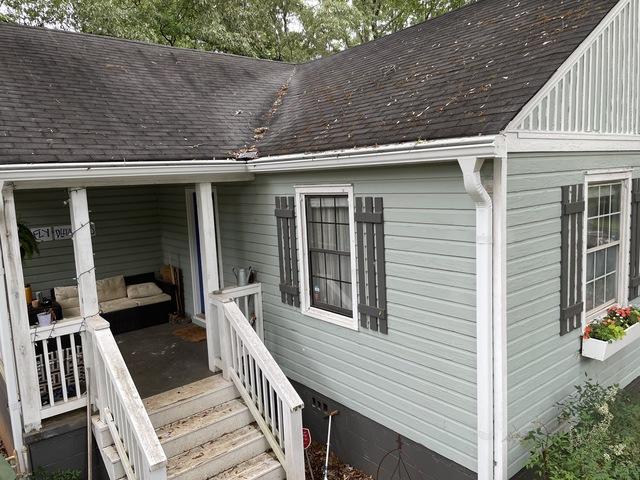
<point>327,264</point>
<point>607,252</point>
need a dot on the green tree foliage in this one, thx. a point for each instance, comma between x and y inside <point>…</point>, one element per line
<point>290,30</point>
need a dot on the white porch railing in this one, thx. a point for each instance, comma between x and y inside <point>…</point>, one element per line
<point>249,301</point>
<point>60,364</point>
<point>274,403</point>
<point>121,409</point>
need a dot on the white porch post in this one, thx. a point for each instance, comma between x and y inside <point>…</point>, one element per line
<point>83,252</point>
<point>211,276</point>
<point>19,318</point>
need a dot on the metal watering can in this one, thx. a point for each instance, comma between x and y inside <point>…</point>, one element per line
<point>243,275</point>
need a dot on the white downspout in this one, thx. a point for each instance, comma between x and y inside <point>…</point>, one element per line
<point>470,167</point>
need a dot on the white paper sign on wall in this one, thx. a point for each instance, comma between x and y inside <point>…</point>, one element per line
<point>42,234</point>
<point>64,232</point>
<point>57,232</point>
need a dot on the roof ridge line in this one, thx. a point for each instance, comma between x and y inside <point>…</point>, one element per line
<point>140,42</point>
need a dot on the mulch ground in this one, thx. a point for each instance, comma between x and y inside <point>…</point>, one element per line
<point>337,469</point>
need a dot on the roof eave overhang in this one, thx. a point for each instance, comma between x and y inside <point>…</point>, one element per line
<point>434,151</point>
<point>60,175</point>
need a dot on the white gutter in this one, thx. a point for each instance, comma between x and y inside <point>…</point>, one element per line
<point>470,167</point>
<point>94,173</point>
<point>395,154</point>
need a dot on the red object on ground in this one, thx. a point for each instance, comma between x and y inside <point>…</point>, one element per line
<point>306,438</point>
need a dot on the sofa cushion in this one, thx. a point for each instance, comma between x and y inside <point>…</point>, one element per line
<point>142,290</point>
<point>117,304</point>
<point>67,296</point>
<point>70,312</point>
<point>111,288</point>
<point>163,297</point>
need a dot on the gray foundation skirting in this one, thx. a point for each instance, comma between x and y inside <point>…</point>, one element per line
<point>362,443</point>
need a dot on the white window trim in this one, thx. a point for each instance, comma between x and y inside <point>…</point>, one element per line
<point>303,256</point>
<point>613,175</point>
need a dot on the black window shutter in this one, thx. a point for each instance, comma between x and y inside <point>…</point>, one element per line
<point>287,250</point>
<point>372,284</point>
<point>634,254</point>
<point>572,249</point>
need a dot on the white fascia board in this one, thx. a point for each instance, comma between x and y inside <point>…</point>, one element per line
<point>434,151</point>
<point>122,173</point>
<point>523,142</point>
<point>24,176</point>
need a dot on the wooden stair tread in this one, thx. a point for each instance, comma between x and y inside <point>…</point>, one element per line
<point>209,451</point>
<point>199,420</point>
<point>179,395</point>
<point>251,469</point>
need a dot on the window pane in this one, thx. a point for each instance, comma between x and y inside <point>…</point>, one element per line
<point>333,293</point>
<point>603,231</point>
<point>614,225</point>
<point>591,259</point>
<point>333,266</point>
<point>317,264</point>
<point>328,236</point>
<point>593,201</point>
<point>589,299</point>
<point>600,263</point>
<point>328,209</point>
<point>592,233</point>
<point>345,268</point>
<point>605,200</point>
<point>346,296</point>
<point>616,191</point>
<point>314,207</point>
<point>343,238</point>
<point>315,235</point>
<point>342,210</point>
<point>319,290</point>
<point>611,288</point>
<point>599,296</point>
<point>612,259</point>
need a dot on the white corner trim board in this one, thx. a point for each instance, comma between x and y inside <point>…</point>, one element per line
<point>471,167</point>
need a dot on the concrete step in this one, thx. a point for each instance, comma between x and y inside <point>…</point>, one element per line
<point>262,467</point>
<point>181,402</point>
<point>216,456</point>
<point>201,427</point>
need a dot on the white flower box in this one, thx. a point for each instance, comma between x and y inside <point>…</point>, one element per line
<point>600,350</point>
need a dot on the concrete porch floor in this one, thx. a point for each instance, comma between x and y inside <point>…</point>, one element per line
<point>159,360</point>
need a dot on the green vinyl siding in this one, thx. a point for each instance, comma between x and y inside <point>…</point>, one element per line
<point>543,367</point>
<point>418,380</point>
<point>126,240</point>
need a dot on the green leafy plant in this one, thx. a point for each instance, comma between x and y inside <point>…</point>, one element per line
<point>41,474</point>
<point>28,243</point>
<point>597,437</point>
<point>613,326</point>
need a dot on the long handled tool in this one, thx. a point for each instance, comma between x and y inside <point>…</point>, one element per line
<point>325,470</point>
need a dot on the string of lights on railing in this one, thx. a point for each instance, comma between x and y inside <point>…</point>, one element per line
<point>83,324</point>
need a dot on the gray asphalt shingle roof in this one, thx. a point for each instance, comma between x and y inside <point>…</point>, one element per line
<point>67,97</point>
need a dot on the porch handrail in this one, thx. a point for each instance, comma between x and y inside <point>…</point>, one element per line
<point>120,406</point>
<point>274,403</point>
<point>241,295</point>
